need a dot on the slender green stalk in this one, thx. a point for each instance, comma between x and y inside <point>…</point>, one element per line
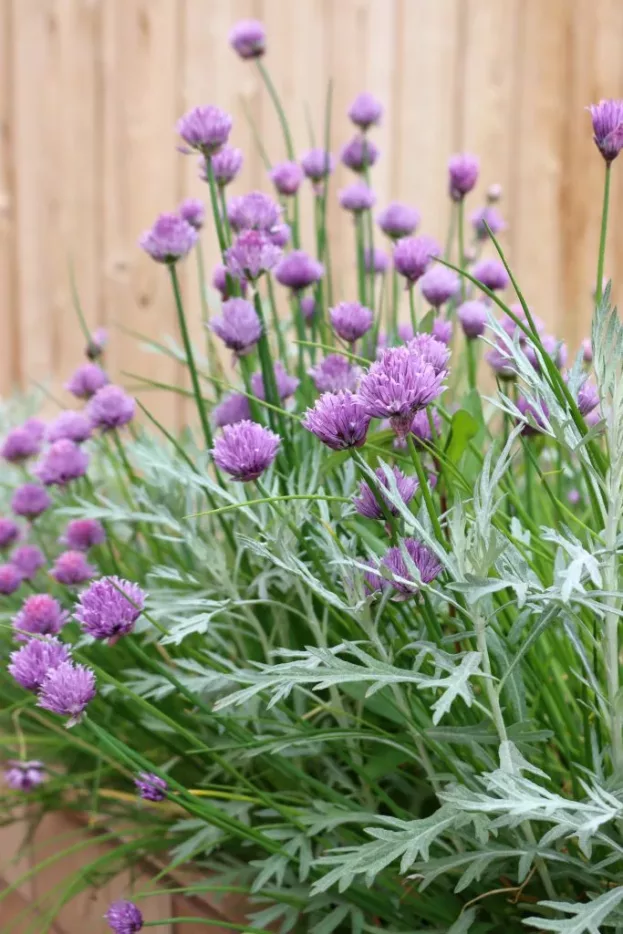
<point>271,392</point>
<point>460,211</point>
<point>270,87</point>
<point>603,235</point>
<point>218,221</point>
<point>395,305</point>
<point>425,488</point>
<point>361,262</point>
<point>471,363</point>
<point>412,310</point>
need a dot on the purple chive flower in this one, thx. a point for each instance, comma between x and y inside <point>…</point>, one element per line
<point>71,568</point>
<point>111,407</point>
<point>219,281</point>
<point>359,154</point>
<point>35,427</point>
<point>24,776</point>
<point>412,256</point>
<point>593,418</point>
<point>422,557</point>
<point>9,532</point>
<point>67,690</point>
<point>398,220</point>
<point>463,174</point>
<point>238,326</point>
<point>83,534</point>
<point>40,615</point>
<point>70,424</point>
<point>588,397</point>
<point>28,559</point>
<point>587,350</point>
<point>86,380</point>
<point>473,318</point>
<point>339,420</point>
<point>405,332</point>
<point>124,918</point>
<point>248,38</point>
<point>491,218</point>
<point>287,177</point>
<point>20,443</point>
<point>607,117</point>
<point>169,240</point>
<point>252,254</point>
<point>366,110</point>
<point>398,384</point>
<point>431,351</point>
<point>439,285</point>
<point>30,500</point>
<point>151,787</point>
<point>357,197</point>
<point>426,425</point>
<point>245,450</point>
<point>501,363</point>
<point>318,164</point>
<point>286,384</point>
<point>226,165</point>
<point>442,330</point>
<point>255,211</point>
<point>334,374</point>
<point>298,270</point>
<point>205,129</point>
<point>491,273</point>
<point>234,408</point>
<point>350,320</point>
<point>30,664</point>
<point>109,607</point>
<point>193,211</point>
<point>280,235</point>
<point>375,260</point>
<point>10,579</point>
<point>536,415</point>
<point>307,304</point>
<point>573,497</point>
<point>553,347</point>
<point>367,504</point>
<point>97,343</point>
<point>512,328</point>
<point>62,462</point>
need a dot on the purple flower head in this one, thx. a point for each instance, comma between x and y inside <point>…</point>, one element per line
<point>206,129</point>
<point>40,615</point>
<point>30,664</point>
<point>67,690</point>
<point>124,918</point>
<point>308,308</point>
<point>607,117</point>
<point>473,318</point>
<point>366,110</point>
<point>9,532</point>
<point>97,343</point>
<point>491,218</point>
<point>70,424</point>
<point>238,325</point>
<point>286,384</point>
<point>536,415</point>
<point>151,787</point>
<point>339,420</point>
<point>62,462</point>
<point>30,500</point>
<point>255,211</point>
<point>357,197</point>
<point>398,220</point>
<point>219,281</point>
<point>501,363</point>
<point>375,260</point>
<point>587,350</point>
<point>573,497</point>
<point>442,330</point>
<point>10,579</point>
<point>87,379</point>
<point>24,776</point>
<point>109,607</point>
<point>439,285</point>
<point>192,211</point>
<point>317,164</point>
<point>334,374</point>
<point>111,407</point>
<point>405,332</point>
<point>426,425</point>
<point>412,256</point>
<point>491,273</point>
<point>359,154</point>
<point>245,450</point>
<point>512,328</point>
<point>226,165</point>
<point>367,504</point>
<point>431,351</point>
<point>248,38</point>
<point>553,347</point>
<point>234,408</point>
<point>169,240</point>
<point>593,418</point>
<point>463,174</point>
<point>398,384</point>
<point>28,559</point>
<point>36,428</point>
<point>83,534</point>
<point>252,254</point>
<point>588,397</point>
<point>298,269</point>
<point>350,320</point>
<point>372,580</point>
<point>20,443</point>
<point>71,568</point>
<point>280,235</point>
<point>424,560</point>
<point>287,177</point>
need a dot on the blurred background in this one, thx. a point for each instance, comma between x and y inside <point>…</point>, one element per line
<point>91,90</point>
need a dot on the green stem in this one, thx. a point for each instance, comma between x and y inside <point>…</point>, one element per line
<point>393,331</point>
<point>276,322</point>
<point>602,236</point>
<point>428,499</point>
<point>268,370</point>
<point>461,239</point>
<point>471,363</point>
<point>361,259</point>
<point>218,222</point>
<point>412,311</point>
<point>270,87</point>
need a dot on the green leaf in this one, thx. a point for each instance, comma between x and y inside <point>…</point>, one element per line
<point>462,429</point>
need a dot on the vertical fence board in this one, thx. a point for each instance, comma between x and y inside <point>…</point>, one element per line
<point>9,323</point>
